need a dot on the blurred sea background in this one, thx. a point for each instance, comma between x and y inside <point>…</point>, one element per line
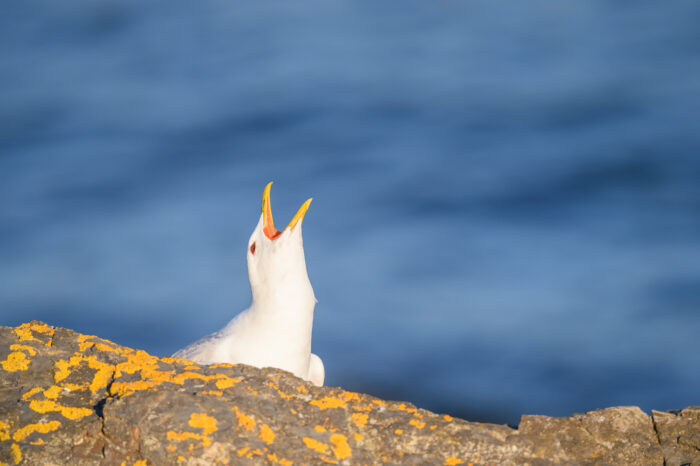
<point>506,214</point>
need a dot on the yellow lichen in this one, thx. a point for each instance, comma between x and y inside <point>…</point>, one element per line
<point>31,392</point>
<point>4,431</point>
<point>302,389</point>
<point>340,447</point>
<point>182,436</point>
<point>350,396</point>
<point>242,451</point>
<point>266,434</point>
<point>273,459</point>
<point>226,382</point>
<point>140,463</point>
<point>453,461</point>
<point>45,406</point>
<point>416,423</point>
<point>16,361</point>
<point>37,442</point>
<point>447,417</point>
<point>314,444</point>
<point>204,422</point>
<point>360,419</point>
<point>328,402</point>
<point>398,431</point>
<point>27,348</point>
<point>52,392</point>
<point>42,428</point>
<point>320,429</point>
<point>16,453</point>
<point>255,452</point>
<point>357,437</point>
<point>247,422</point>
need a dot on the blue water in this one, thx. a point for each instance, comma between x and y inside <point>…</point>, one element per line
<point>506,213</point>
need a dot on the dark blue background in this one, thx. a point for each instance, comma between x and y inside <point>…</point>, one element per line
<point>506,213</point>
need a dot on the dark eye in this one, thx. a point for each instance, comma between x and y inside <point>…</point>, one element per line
<point>252,248</point>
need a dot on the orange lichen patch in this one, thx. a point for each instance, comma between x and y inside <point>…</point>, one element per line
<point>182,436</point>
<point>328,402</point>
<point>213,392</point>
<point>398,431</point>
<point>302,389</point>
<point>447,417</point>
<point>266,434</point>
<point>171,360</point>
<point>47,406</point>
<point>42,328</point>
<point>360,420</point>
<point>171,448</point>
<point>328,460</point>
<point>416,423</point>
<point>31,392</point>
<point>4,431</point>
<point>379,402</point>
<point>247,422</point>
<point>204,422</point>
<point>42,428</point>
<point>16,453</point>
<point>242,451</point>
<point>408,409</point>
<point>315,445</point>
<point>24,331</point>
<point>255,452</point>
<point>340,447</point>
<point>37,442</point>
<point>16,361</point>
<point>101,378</point>
<point>350,396</point>
<point>220,364</point>
<point>452,461</point>
<point>127,388</point>
<point>358,437</point>
<point>433,427</point>
<point>27,348</point>
<point>283,395</point>
<point>226,382</point>
<point>52,392</point>
<point>152,375</point>
<point>140,463</point>
<point>251,390</point>
<point>192,368</point>
<point>320,429</point>
<point>273,458</point>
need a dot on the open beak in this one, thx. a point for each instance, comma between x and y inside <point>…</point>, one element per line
<point>268,224</point>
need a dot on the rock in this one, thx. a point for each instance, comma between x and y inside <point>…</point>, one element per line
<point>79,399</point>
<point>679,435</point>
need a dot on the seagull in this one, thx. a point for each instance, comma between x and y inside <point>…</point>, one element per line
<point>275,331</point>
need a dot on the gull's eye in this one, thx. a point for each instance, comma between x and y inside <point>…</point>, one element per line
<point>252,248</point>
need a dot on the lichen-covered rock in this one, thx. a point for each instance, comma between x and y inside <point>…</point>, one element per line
<point>679,435</point>
<point>78,399</point>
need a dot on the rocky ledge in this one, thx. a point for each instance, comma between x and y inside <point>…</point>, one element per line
<point>78,399</point>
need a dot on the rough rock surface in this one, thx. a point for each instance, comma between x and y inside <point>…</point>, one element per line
<point>78,399</point>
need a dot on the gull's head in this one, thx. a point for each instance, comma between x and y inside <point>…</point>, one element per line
<point>276,263</point>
